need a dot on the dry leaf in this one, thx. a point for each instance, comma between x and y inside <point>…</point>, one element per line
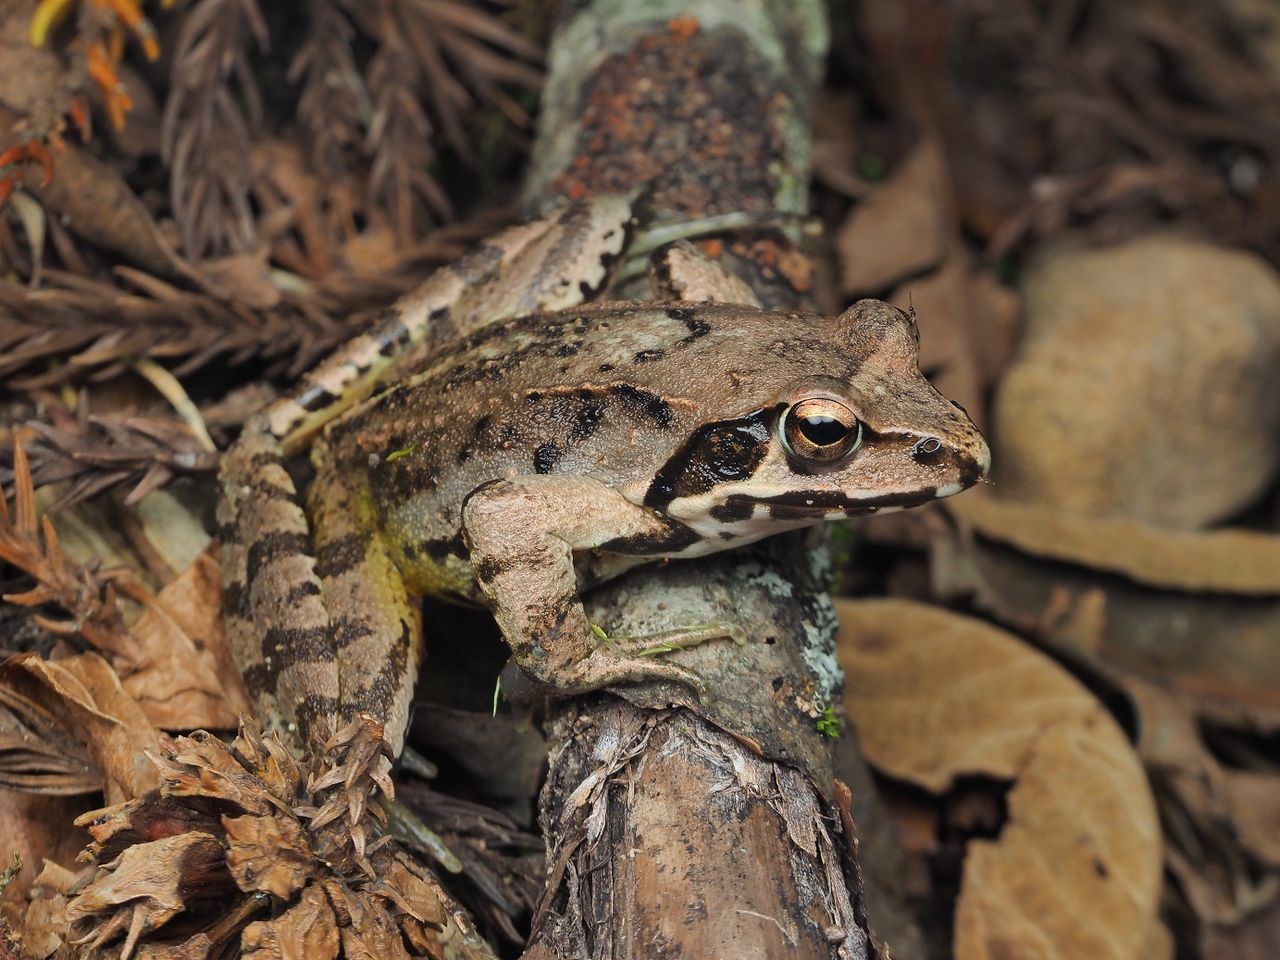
<point>84,693</point>
<point>99,206</point>
<point>306,931</point>
<point>1239,562</point>
<point>902,228</point>
<point>186,678</point>
<point>34,827</point>
<point>1216,814</point>
<point>1193,610</point>
<point>268,854</point>
<point>947,333</point>
<point>153,882</point>
<point>1145,384</point>
<point>1076,871</point>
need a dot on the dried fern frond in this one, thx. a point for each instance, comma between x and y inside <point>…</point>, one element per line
<point>87,595</point>
<point>399,134</point>
<point>94,329</point>
<point>212,105</point>
<point>77,328</point>
<point>334,100</point>
<point>451,56</point>
<point>99,453</point>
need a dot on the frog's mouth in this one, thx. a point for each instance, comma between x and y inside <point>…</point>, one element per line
<point>819,504</point>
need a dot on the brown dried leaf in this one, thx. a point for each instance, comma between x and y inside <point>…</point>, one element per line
<point>186,677</point>
<point>306,931</point>
<point>1130,339</point>
<point>90,598</point>
<point>1214,814</point>
<point>85,695</point>
<point>34,827</point>
<point>1239,562</point>
<point>150,883</point>
<point>43,926</point>
<point>936,696</point>
<point>269,854</point>
<point>37,753</point>
<point>244,278</point>
<point>902,228</point>
<point>93,199</point>
<point>1184,609</point>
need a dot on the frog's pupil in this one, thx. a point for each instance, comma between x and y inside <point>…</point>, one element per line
<point>823,431</point>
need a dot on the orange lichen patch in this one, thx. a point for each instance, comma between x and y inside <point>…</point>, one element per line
<point>32,151</point>
<point>682,28</point>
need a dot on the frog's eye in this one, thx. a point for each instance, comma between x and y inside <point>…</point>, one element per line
<point>820,430</point>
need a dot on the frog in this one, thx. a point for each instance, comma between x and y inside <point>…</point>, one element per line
<point>497,438</point>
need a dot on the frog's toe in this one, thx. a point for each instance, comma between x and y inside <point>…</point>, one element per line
<point>606,666</point>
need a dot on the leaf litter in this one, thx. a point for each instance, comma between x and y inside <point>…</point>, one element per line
<point>960,143</point>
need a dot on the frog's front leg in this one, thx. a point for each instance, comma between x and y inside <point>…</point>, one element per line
<point>522,534</point>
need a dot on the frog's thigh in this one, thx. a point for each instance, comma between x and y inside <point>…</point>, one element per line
<point>277,626</point>
<point>683,272</point>
<point>521,534</point>
<point>376,626</point>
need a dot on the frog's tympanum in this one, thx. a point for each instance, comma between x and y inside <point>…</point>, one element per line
<point>494,440</point>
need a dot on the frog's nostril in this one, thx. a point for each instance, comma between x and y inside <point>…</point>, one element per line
<point>928,450</point>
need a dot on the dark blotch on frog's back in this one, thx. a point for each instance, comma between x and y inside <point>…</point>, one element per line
<point>696,326</point>
<point>546,457</point>
<point>717,453</point>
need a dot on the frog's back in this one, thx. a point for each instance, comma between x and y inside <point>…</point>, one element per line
<point>609,391</point>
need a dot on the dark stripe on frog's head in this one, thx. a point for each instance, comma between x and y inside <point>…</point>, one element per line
<point>723,452</point>
<point>643,403</point>
<point>815,504</point>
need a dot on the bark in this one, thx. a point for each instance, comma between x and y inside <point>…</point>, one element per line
<point>676,828</point>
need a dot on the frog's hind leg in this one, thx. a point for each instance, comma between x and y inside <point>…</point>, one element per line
<point>375,626</point>
<point>276,622</point>
<point>318,619</point>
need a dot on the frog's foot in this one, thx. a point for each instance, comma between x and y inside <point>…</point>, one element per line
<point>680,638</point>
<point>610,664</point>
<point>633,658</point>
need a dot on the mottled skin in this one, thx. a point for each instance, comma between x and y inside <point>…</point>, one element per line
<point>533,456</point>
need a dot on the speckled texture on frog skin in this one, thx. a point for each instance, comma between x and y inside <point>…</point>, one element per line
<point>537,455</point>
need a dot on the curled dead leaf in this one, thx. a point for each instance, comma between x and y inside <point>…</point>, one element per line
<point>84,694</point>
<point>1194,610</point>
<point>934,697</point>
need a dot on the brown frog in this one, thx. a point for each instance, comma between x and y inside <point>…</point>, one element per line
<point>494,440</point>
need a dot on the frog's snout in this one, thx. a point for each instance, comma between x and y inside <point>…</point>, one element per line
<point>967,454</point>
<point>973,460</point>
